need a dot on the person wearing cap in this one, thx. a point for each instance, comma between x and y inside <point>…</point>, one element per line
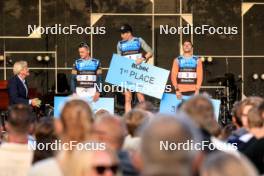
<point>134,48</point>
<point>86,74</point>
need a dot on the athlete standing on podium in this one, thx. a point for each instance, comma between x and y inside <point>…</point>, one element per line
<point>86,74</point>
<point>187,72</point>
<point>133,48</point>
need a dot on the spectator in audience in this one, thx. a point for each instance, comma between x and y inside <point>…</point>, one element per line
<point>261,110</point>
<point>1,130</point>
<point>73,126</point>
<point>255,128</point>
<point>93,163</point>
<point>31,138</point>
<point>236,115</point>
<point>15,155</point>
<point>244,108</point>
<point>44,134</point>
<point>146,106</point>
<point>101,112</point>
<point>134,120</point>
<point>159,160</point>
<point>112,131</point>
<point>236,121</point>
<point>200,109</point>
<point>246,105</point>
<point>255,123</point>
<point>255,151</point>
<point>224,164</point>
<point>226,131</point>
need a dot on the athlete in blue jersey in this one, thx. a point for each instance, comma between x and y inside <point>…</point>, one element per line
<point>133,48</point>
<point>86,74</point>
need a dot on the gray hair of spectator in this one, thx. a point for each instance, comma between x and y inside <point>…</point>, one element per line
<point>174,129</point>
<point>221,163</point>
<point>250,101</point>
<point>19,66</point>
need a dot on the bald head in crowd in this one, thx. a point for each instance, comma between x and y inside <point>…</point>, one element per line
<point>157,159</point>
<point>221,163</point>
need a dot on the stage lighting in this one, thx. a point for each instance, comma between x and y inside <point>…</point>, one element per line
<point>39,58</point>
<point>202,59</point>
<point>262,76</point>
<point>210,59</point>
<point>255,76</point>
<point>9,61</point>
<point>46,58</point>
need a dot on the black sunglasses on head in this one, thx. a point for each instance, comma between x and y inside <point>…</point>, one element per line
<point>102,169</point>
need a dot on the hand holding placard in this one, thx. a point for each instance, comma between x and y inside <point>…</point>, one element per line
<point>143,78</point>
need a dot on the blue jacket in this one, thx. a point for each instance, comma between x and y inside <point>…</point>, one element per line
<point>92,65</point>
<point>17,92</point>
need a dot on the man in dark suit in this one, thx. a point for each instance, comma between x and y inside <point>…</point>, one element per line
<point>17,86</point>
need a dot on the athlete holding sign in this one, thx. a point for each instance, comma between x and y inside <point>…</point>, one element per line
<point>187,72</point>
<point>132,48</point>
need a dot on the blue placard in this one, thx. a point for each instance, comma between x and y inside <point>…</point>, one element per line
<point>143,78</point>
<point>169,104</point>
<point>102,103</point>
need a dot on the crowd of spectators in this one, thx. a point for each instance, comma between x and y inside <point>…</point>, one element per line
<point>141,142</point>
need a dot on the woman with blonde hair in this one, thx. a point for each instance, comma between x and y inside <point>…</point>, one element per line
<point>74,126</point>
<point>75,123</point>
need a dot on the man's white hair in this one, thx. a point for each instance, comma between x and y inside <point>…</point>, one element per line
<point>19,66</point>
